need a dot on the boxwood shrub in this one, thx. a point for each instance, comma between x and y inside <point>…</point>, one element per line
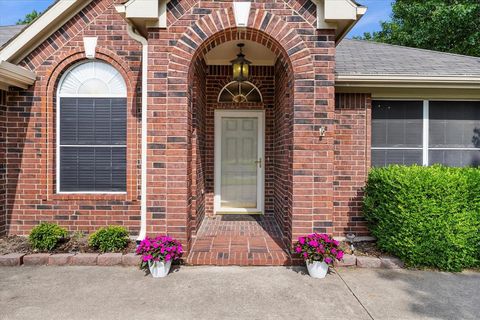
<point>109,239</point>
<point>427,216</point>
<point>46,236</point>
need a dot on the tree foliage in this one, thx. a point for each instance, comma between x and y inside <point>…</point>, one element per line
<point>29,17</point>
<point>443,25</point>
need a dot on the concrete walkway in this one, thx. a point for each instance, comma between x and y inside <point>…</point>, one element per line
<point>235,293</point>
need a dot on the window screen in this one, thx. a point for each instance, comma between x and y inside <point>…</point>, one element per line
<point>93,144</point>
<point>454,133</point>
<point>397,128</point>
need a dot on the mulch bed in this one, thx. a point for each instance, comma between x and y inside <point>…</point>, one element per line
<point>75,244</point>
<point>364,248</point>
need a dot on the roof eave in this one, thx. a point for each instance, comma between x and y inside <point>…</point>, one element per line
<point>407,81</point>
<point>39,30</point>
<point>13,75</point>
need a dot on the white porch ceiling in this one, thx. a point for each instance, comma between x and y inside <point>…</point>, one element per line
<point>258,54</point>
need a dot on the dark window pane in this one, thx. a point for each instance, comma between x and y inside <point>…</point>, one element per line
<point>381,158</point>
<point>397,123</point>
<point>90,169</point>
<point>86,121</point>
<point>454,124</point>
<point>455,158</point>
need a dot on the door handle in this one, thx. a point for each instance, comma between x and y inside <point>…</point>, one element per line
<point>259,162</point>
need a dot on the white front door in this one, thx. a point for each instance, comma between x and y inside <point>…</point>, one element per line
<point>239,161</point>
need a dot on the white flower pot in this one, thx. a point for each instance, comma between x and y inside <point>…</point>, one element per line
<point>159,269</point>
<point>317,269</point>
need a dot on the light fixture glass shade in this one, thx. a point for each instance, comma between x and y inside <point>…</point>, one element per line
<point>240,66</point>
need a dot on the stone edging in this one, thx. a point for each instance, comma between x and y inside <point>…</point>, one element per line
<point>350,260</point>
<point>70,259</point>
<point>131,259</point>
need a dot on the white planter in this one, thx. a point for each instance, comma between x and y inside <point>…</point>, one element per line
<point>317,269</point>
<point>159,269</point>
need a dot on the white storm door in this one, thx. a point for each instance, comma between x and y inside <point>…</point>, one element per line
<point>239,161</point>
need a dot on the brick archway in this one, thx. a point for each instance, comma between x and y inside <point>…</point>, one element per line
<point>306,56</point>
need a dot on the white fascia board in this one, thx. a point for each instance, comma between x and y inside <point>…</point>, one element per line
<point>408,81</point>
<point>13,75</point>
<point>142,9</point>
<point>340,10</point>
<point>41,29</point>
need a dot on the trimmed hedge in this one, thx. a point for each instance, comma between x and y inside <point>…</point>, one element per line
<point>109,239</point>
<point>427,216</point>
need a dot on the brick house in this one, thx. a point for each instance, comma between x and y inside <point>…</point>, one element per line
<point>131,113</point>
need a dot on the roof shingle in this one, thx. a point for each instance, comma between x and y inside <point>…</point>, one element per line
<point>8,32</point>
<point>358,57</point>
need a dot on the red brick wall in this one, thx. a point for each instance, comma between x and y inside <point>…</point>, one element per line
<point>3,176</point>
<point>30,129</point>
<point>352,161</point>
<point>288,29</point>
<point>282,148</point>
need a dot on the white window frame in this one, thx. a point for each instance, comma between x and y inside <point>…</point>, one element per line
<point>57,120</point>
<point>426,128</point>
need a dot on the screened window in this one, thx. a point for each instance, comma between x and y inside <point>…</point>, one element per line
<point>426,132</point>
<point>454,133</point>
<point>92,128</point>
<point>240,92</point>
<point>397,128</point>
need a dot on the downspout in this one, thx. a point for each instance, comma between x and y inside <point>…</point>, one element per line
<point>143,187</point>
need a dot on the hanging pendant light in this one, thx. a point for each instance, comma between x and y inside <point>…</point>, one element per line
<point>240,66</point>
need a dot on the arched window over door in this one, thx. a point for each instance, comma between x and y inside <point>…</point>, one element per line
<point>240,92</point>
<point>92,130</point>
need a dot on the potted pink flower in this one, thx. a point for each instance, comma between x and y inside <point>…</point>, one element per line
<point>319,252</point>
<point>158,254</point>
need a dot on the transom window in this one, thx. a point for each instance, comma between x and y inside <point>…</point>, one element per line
<point>426,133</point>
<point>92,130</point>
<point>240,92</point>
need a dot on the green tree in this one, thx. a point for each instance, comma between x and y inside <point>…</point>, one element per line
<point>442,25</point>
<point>29,17</point>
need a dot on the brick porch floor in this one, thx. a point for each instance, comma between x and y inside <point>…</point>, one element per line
<point>239,240</point>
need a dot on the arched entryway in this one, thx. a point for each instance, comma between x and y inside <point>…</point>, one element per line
<point>240,151</point>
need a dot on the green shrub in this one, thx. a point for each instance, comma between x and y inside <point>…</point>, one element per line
<point>109,239</point>
<point>46,236</point>
<point>427,216</point>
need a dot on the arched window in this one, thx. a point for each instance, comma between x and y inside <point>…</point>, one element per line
<point>92,130</point>
<point>240,92</point>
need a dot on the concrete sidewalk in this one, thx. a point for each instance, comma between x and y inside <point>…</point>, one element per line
<point>235,293</point>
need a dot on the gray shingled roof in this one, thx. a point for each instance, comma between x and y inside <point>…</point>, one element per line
<point>8,32</point>
<point>357,57</point>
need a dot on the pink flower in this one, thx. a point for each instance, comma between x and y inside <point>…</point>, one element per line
<point>328,260</point>
<point>313,243</point>
<point>147,258</point>
<point>333,251</point>
<point>336,243</point>
<point>305,255</point>
<point>301,240</point>
<point>340,255</point>
<point>298,249</point>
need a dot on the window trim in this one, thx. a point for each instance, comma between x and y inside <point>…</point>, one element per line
<point>225,88</point>
<point>426,128</point>
<point>57,132</point>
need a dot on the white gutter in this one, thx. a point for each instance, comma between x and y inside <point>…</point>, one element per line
<point>408,81</point>
<point>143,188</point>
